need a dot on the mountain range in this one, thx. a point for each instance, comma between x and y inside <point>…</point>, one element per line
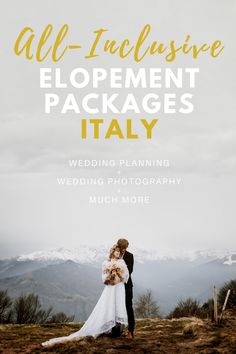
<point>70,279</point>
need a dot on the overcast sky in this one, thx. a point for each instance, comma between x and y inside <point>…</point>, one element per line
<point>36,213</point>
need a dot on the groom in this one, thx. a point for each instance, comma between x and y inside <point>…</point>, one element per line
<point>129,260</point>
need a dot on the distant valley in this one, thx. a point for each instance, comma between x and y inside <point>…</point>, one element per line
<point>70,280</point>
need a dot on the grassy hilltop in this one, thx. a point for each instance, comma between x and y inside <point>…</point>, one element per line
<point>184,335</point>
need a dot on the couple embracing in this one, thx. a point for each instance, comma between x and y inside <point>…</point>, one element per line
<point>114,309</point>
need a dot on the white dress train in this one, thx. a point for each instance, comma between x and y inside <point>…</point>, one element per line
<point>109,310</point>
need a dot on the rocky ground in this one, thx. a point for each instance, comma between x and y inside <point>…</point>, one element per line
<point>185,335</point>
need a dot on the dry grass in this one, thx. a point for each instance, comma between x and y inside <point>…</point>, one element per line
<point>185,335</point>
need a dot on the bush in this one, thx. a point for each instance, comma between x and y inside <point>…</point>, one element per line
<point>5,307</point>
<point>146,307</point>
<point>28,309</point>
<point>232,297</point>
<point>187,308</point>
<point>60,317</point>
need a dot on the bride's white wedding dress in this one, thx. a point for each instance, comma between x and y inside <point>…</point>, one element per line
<point>109,310</point>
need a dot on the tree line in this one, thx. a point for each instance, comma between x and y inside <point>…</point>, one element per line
<point>27,308</point>
<point>147,307</point>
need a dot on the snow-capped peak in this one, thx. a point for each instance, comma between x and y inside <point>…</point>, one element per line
<point>86,255</point>
<point>83,254</point>
<point>230,260</point>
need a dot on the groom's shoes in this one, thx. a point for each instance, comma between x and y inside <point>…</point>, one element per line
<point>130,335</point>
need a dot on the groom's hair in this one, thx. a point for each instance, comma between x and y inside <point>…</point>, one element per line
<point>123,243</point>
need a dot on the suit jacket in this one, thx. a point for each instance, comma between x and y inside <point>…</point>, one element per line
<point>129,260</point>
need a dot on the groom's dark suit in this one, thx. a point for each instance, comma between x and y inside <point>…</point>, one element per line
<point>129,260</point>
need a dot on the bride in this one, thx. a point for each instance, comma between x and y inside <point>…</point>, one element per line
<point>110,309</point>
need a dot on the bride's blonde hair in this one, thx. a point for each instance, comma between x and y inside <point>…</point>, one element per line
<point>112,250</point>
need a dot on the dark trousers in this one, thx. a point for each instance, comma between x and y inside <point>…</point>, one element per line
<point>129,306</point>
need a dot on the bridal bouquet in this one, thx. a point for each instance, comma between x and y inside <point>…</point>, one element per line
<point>114,274</point>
